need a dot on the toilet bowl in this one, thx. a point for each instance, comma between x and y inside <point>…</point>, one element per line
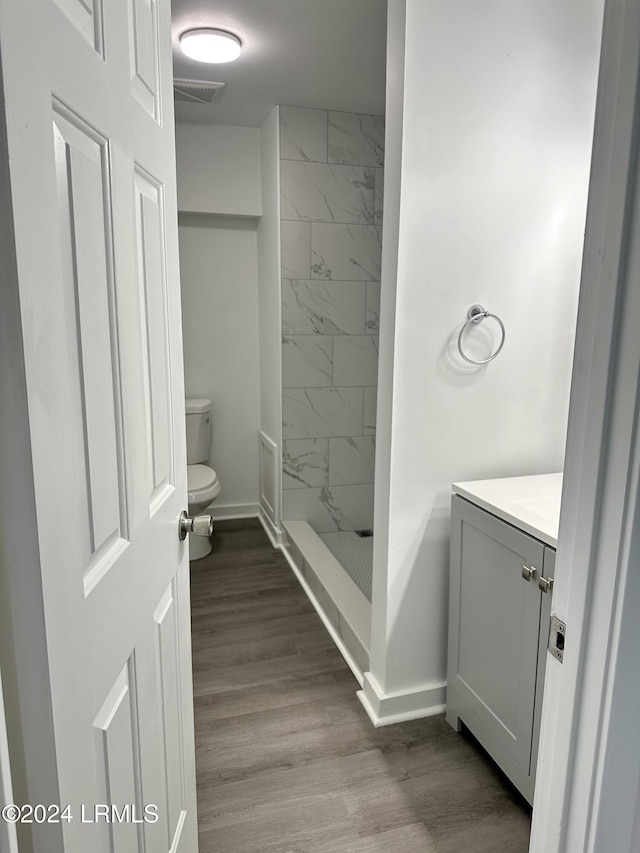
<point>203,485</point>
<point>203,488</point>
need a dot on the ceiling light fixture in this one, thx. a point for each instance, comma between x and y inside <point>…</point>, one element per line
<point>208,45</point>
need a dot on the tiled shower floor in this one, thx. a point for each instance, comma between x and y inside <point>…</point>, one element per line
<point>355,553</point>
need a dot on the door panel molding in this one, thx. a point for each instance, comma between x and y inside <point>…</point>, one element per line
<point>86,17</point>
<point>144,59</point>
<point>151,251</point>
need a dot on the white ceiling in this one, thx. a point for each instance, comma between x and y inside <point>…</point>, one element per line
<point>328,54</point>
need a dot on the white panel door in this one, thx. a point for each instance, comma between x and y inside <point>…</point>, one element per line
<point>88,95</point>
<point>8,837</point>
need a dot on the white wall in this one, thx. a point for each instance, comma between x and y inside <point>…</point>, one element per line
<point>219,274</point>
<point>218,169</point>
<point>219,199</point>
<point>269,314</point>
<point>498,103</point>
<point>390,239</point>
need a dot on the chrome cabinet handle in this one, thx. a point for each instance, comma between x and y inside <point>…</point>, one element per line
<point>528,572</point>
<point>545,584</point>
<point>200,525</point>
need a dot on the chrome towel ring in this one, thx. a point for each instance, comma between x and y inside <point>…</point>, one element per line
<point>476,314</point>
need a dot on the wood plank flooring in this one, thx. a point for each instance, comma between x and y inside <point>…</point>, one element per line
<point>287,760</point>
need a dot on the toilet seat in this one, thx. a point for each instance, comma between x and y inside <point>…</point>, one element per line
<point>202,484</point>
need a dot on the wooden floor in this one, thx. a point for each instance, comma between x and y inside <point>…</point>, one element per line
<point>287,759</point>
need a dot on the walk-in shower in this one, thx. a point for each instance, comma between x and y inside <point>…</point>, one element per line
<point>331,180</point>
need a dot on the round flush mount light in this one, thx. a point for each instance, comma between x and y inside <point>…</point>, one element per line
<point>208,45</point>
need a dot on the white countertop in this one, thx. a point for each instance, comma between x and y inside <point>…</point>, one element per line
<point>530,503</point>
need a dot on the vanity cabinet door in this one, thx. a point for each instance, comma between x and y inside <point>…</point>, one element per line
<point>494,635</point>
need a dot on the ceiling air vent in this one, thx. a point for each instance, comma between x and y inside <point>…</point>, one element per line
<point>198,91</point>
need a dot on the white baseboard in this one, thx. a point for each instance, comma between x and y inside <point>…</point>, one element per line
<point>275,534</point>
<point>384,709</point>
<point>231,511</point>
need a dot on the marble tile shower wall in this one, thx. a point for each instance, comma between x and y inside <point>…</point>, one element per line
<point>331,182</point>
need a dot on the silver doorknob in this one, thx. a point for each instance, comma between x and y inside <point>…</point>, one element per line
<point>528,572</point>
<point>201,525</point>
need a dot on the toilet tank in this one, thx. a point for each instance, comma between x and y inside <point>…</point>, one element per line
<point>198,412</point>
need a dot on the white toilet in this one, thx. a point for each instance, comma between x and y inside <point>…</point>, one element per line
<point>202,482</point>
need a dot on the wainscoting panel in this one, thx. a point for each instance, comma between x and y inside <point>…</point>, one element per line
<point>270,474</point>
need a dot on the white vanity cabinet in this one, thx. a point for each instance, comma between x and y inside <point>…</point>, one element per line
<point>498,630</point>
